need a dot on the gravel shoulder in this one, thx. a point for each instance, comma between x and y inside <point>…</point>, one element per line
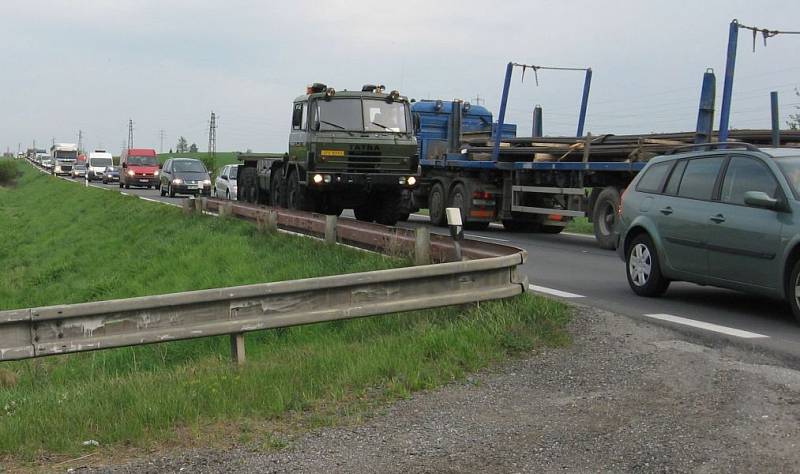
<point>626,396</point>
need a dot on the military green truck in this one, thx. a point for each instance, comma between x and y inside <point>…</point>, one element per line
<point>347,150</point>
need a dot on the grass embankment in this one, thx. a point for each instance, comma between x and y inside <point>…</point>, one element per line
<point>8,171</point>
<point>74,244</point>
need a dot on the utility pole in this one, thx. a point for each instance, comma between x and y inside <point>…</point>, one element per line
<point>130,133</point>
<point>53,140</point>
<point>212,142</point>
<point>161,137</point>
<point>80,141</point>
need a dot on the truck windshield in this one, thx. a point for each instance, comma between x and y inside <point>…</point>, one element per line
<point>100,162</point>
<point>340,114</point>
<point>66,155</point>
<point>353,114</point>
<point>382,116</point>
<point>142,161</point>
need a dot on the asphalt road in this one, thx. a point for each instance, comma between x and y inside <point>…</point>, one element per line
<point>572,267</point>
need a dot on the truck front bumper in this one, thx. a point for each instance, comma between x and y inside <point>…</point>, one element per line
<point>333,181</point>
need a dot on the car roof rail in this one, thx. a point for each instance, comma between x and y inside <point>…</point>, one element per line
<point>713,145</point>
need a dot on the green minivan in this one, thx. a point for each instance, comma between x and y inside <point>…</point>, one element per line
<point>726,215</point>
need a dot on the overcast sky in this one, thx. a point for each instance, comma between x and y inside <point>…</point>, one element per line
<point>91,65</point>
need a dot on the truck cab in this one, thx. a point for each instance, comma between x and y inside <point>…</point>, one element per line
<point>64,157</point>
<point>347,150</point>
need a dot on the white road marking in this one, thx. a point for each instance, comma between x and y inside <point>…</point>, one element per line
<point>573,234</point>
<point>160,202</point>
<point>553,292</point>
<point>487,238</point>
<point>707,326</point>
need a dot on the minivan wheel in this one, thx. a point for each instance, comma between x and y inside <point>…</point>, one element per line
<point>643,269</point>
<point>793,290</point>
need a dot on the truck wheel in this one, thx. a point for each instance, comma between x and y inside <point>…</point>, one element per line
<point>365,213</point>
<point>792,292</point>
<point>436,205</point>
<point>276,195</point>
<point>604,216</point>
<point>404,216</point>
<point>389,208</point>
<point>297,197</point>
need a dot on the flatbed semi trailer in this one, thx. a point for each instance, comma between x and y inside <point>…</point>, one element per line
<point>531,184</point>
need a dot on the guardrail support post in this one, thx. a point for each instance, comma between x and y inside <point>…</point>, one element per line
<point>200,205</point>
<point>188,206</point>
<point>226,210</point>
<point>237,347</point>
<point>267,222</point>
<point>422,246</point>
<point>330,229</point>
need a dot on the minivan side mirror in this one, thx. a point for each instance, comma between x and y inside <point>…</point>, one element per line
<point>760,199</point>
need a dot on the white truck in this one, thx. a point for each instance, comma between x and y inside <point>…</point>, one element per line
<point>96,164</point>
<point>64,157</point>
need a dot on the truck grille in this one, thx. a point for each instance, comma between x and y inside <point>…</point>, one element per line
<point>365,162</point>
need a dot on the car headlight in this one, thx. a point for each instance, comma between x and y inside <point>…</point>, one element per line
<point>155,173</point>
<point>207,182</point>
<point>177,181</point>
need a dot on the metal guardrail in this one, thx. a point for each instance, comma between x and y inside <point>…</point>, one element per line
<point>491,273</point>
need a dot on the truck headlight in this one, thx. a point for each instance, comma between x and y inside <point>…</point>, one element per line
<point>411,181</point>
<point>318,178</point>
<point>155,173</point>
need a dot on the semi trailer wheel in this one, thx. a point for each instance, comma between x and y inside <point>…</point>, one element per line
<point>604,217</point>
<point>276,198</point>
<point>297,196</point>
<point>436,205</point>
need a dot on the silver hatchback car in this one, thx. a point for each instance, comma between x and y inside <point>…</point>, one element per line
<point>726,217</point>
<point>225,182</point>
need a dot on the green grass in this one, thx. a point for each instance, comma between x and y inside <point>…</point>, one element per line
<point>146,396</point>
<point>580,225</point>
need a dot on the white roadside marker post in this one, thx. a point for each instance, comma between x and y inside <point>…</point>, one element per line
<point>456,229</point>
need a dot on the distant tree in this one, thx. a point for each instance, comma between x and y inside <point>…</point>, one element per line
<point>794,119</point>
<point>170,151</point>
<point>249,150</point>
<point>193,148</point>
<point>182,146</point>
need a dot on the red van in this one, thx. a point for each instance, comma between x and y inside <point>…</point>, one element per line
<point>139,168</point>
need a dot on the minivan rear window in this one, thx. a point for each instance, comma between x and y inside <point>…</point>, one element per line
<point>700,177</point>
<point>653,179</point>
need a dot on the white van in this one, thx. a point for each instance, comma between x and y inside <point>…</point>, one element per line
<point>96,163</point>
